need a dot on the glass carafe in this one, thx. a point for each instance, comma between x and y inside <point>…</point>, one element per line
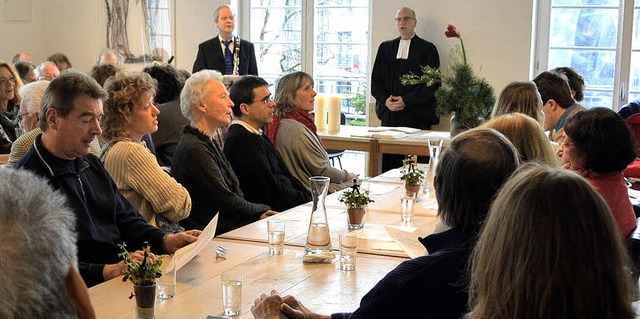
<point>318,239</point>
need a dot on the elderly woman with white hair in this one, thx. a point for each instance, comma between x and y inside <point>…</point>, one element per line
<point>199,163</point>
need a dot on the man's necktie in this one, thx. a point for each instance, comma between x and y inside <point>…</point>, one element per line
<point>228,57</point>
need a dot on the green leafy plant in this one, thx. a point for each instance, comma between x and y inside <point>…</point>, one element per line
<point>411,175</point>
<point>462,91</point>
<point>144,273</point>
<point>354,197</point>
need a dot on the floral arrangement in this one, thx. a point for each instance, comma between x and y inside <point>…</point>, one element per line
<point>462,91</point>
<point>353,197</point>
<point>144,273</point>
<point>411,175</point>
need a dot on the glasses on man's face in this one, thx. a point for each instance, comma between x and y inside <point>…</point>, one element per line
<point>22,115</point>
<point>5,81</point>
<point>404,19</point>
<point>266,100</point>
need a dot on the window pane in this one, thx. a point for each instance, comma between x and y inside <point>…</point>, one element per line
<point>584,35</point>
<point>276,31</point>
<point>341,52</point>
<point>634,74</point>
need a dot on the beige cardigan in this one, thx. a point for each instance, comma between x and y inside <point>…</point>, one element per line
<point>141,180</point>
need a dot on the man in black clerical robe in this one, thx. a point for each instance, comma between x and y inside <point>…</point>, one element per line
<point>397,104</point>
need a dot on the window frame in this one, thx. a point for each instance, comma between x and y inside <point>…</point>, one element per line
<point>622,64</point>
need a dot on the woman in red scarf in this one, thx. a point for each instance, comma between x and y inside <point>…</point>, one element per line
<point>295,136</point>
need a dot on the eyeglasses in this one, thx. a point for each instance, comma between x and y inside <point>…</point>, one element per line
<point>404,19</point>
<point>22,115</point>
<point>4,81</point>
<point>266,100</point>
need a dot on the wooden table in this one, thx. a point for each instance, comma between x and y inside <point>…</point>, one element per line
<point>373,238</point>
<point>348,139</point>
<point>322,287</point>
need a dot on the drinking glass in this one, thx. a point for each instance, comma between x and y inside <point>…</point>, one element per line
<point>276,236</point>
<point>232,292</point>
<point>167,282</point>
<point>348,251</point>
<point>407,200</point>
<point>435,145</point>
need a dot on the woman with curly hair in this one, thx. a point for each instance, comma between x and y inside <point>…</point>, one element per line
<point>129,113</point>
<point>549,249</point>
<point>295,136</point>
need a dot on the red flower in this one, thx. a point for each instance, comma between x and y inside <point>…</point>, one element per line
<point>452,32</point>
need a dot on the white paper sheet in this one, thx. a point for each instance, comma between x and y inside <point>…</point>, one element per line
<point>436,134</point>
<point>407,130</point>
<point>183,255</point>
<point>407,240</point>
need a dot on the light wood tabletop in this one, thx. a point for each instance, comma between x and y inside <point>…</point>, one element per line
<point>353,138</point>
<point>323,287</point>
<point>373,238</point>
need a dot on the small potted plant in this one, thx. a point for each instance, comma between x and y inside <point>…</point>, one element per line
<point>143,276</point>
<point>411,175</point>
<point>463,95</point>
<point>357,202</point>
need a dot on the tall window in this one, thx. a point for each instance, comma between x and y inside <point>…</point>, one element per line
<point>600,39</point>
<point>328,39</point>
<point>159,28</point>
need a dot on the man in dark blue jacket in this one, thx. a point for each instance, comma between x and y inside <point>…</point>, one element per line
<point>71,109</point>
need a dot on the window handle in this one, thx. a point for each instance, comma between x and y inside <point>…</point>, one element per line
<point>623,91</point>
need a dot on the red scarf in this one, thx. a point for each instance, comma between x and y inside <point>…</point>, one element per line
<point>300,115</point>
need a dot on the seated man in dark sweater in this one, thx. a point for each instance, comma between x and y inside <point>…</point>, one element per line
<point>263,176</point>
<point>469,174</point>
<point>70,112</point>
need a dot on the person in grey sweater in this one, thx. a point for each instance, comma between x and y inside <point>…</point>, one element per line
<point>295,136</point>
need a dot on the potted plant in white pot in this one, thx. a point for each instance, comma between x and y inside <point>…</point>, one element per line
<point>412,176</point>
<point>356,201</point>
<point>143,275</point>
<point>463,95</point>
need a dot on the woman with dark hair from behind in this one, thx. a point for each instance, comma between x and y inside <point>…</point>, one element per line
<point>549,249</point>
<point>102,72</point>
<point>598,145</point>
<point>170,120</point>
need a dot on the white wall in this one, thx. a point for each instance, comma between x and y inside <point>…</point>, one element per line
<point>497,33</point>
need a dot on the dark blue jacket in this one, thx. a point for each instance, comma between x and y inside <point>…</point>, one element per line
<point>104,218</point>
<point>433,286</point>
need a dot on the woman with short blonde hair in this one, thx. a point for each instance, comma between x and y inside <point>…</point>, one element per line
<point>527,135</point>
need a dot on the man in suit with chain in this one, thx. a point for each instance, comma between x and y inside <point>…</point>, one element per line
<point>226,53</point>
